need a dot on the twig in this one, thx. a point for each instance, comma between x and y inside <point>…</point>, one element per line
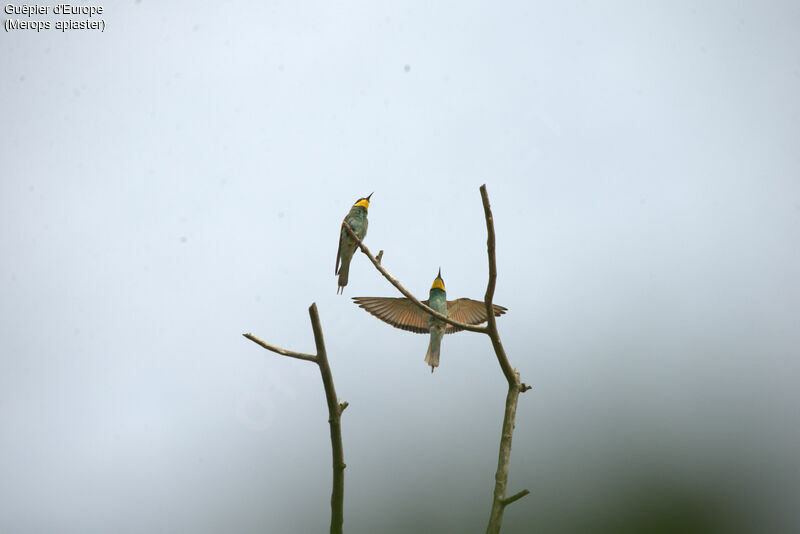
<point>406,292</point>
<point>515,497</point>
<point>335,409</point>
<point>278,350</point>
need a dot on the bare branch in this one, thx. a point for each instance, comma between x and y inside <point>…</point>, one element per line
<point>392,280</point>
<point>515,386</point>
<point>334,418</point>
<point>335,410</point>
<point>515,497</point>
<point>491,325</point>
<point>278,350</point>
<point>504,456</point>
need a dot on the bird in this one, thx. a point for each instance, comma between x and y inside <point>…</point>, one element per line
<point>357,219</point>
<point>404,314</point>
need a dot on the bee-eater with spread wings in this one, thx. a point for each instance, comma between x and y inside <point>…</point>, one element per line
<point>404,314</point>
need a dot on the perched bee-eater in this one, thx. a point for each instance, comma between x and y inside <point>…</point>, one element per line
<point>357,219</point>
<point>404,314</point>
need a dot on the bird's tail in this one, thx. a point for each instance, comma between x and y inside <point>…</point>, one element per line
<point>432,356</point>
<point>344,272</point>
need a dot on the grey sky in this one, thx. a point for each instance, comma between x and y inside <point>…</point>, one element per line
<point>180,179</point>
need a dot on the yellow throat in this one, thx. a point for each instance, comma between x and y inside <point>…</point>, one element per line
<point>438,284</point>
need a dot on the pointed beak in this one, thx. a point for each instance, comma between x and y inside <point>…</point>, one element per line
<point>369,195</point>
<point>440,274</point>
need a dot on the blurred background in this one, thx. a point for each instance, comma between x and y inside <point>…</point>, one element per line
<point>180,179</point>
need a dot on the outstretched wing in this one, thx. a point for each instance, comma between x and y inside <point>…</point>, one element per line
<point>470,312</point>
<point>398,312</point>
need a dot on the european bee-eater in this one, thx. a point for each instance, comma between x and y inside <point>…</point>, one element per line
<point>404,314</point>
<point>357,219</point>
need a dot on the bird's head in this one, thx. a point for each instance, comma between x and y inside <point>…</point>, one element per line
<point>439,282</point>
<point>363,202</point>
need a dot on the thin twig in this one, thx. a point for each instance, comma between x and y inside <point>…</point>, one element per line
<point>335,409</point>
<point>515,497</point>
<point>278,350</point>
<point>406,292</point>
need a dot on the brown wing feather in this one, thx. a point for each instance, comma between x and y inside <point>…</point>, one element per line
<point>469,311</point>
<point>398,312</point>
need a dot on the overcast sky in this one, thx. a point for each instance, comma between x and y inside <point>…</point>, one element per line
<point>180,179</point>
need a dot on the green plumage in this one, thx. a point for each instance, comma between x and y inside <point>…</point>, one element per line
<point>357,220</point>
<point>437,301</point>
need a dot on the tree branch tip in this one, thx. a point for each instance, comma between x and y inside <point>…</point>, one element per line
<point>514,498</point>
<point>342,406</point>
<point>524,387</point>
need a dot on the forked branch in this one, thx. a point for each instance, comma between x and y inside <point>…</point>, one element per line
<point>335,409</point>
<point>515,386</point>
